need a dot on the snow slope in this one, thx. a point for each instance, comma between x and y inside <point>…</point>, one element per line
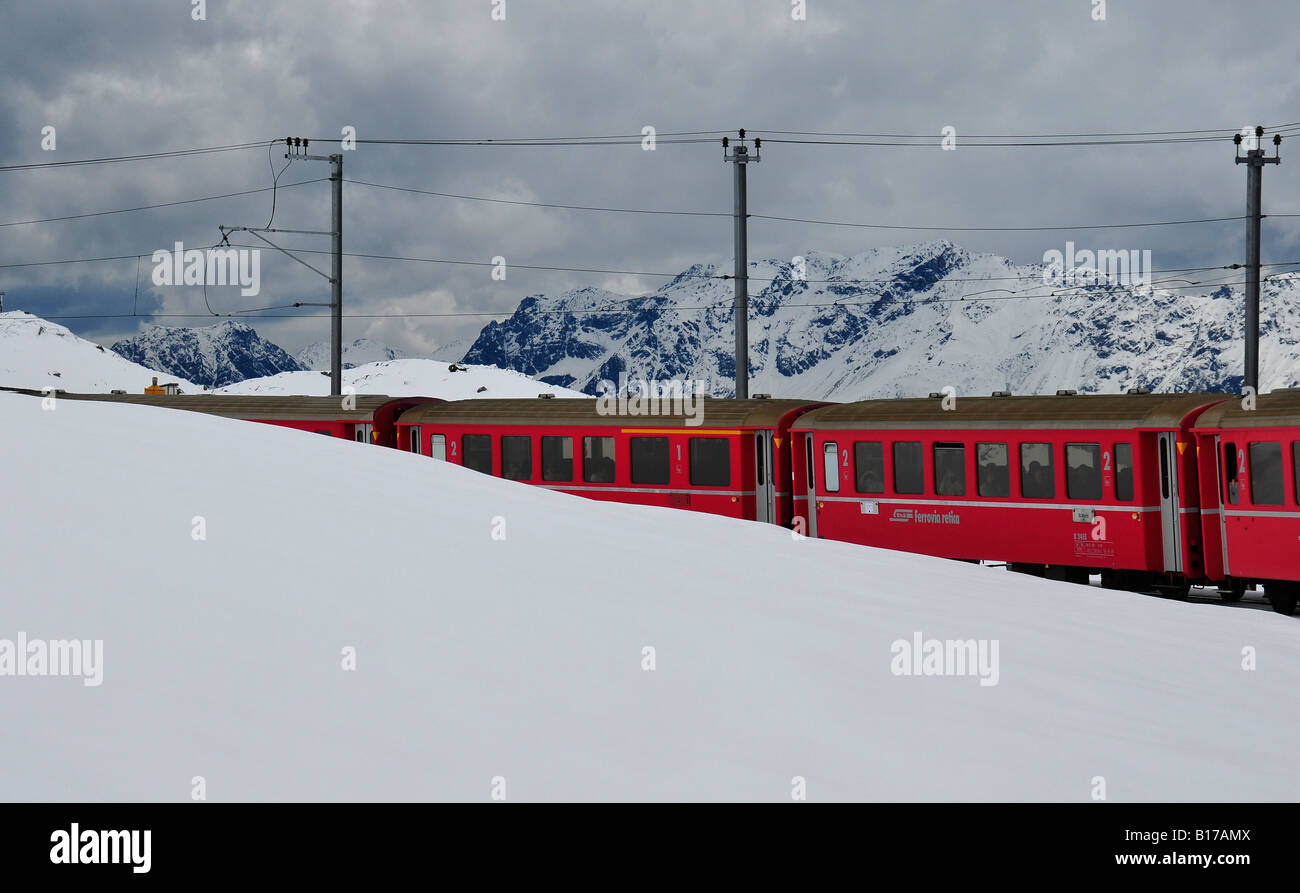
<point>521,658</point>
<point>37,353</point>
<point>401,378</point>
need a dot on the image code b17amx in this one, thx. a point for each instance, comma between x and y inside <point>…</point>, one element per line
<point>409,410</point>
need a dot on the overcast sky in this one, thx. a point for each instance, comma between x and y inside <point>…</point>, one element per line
<point>130,77</point>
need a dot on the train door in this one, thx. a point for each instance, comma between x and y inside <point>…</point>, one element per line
<point>414,444</point>
<point>1220,482</point>
<point>811,488</point>
<point>765,491</point>
<point>363,433</point>
<point>1170,520</point>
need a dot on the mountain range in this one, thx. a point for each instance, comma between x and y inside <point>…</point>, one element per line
<point>213,356</point>
<point>901,321</point>
<point>884,323</point>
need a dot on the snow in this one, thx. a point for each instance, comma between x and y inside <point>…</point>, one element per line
<point>402,378</point>
<point>521,657</point>
<point>33,350</point>
<point>316,356</point>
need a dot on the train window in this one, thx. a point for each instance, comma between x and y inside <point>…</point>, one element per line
<point>831,466</point>
<point>1266,473</point>
<point>557,458</point>
<point>1083,470</point>
<point>710,461</point>
<point>598,460</point>
<point>869,466</point>
<point>1164,470</point>
<point>516,457</point>
<point>1230,468</point>
<point>994,469</point>
<point>438,444</point>
<point>478,452</point>
<point>414,445</point>
<point>909,467</point>
<point>649,460</point>
<point>1037,475</point>
<point>950,469</point>
<point>1295,465</point>
<point>1124,472</point>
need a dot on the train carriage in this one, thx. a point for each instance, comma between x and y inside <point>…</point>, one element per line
<point>364,418</point>
<point>1062,486</point>
<point>732,458</point>
<point>1250,488</point>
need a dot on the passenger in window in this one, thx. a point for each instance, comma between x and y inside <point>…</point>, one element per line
<point>950,483</point>
<point>1040,481</point>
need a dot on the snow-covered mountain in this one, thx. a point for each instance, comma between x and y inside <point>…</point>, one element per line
<point>37,353</point>
<point>407,378</point>
<point>212,356</point>
<point>316,356</point>
<point>902,321</point>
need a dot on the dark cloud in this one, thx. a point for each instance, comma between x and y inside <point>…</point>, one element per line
<point>129,77</point>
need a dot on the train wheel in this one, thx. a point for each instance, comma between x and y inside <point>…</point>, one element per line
<point>1180,591</point>
<point>1233,593</point>
<point>1282,599</point>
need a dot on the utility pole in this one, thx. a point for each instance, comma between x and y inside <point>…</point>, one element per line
<point>296,149</point>
<point>336,278</point>
<point>1254,161</point>
<point>740,156</point>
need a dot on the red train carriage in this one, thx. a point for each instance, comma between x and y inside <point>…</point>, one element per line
<point>732,459</point>
<point>1062,486</point>
<point>364,418</point>
<point>1250,490</point>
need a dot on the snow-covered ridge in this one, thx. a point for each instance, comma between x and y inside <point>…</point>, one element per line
<point>37,353</point>
<point>407,378</point>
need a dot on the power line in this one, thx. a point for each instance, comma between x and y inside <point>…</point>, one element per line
<point>143,156</point>
<point>997,229</point>
<point>188,201</point>
<point>1221,131</point>
<point>1062,227</point>
<point>505,201</point>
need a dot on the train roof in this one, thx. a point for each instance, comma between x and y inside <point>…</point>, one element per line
<point>713,412</point>
<point>241,406</point>
<point>1276,409</point>
<point>1062,411</point>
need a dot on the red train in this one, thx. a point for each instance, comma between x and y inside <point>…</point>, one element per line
<point>1124,486</point>
<point>733,458</point>
<point>364,418</point>
<point>1160,491</point>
